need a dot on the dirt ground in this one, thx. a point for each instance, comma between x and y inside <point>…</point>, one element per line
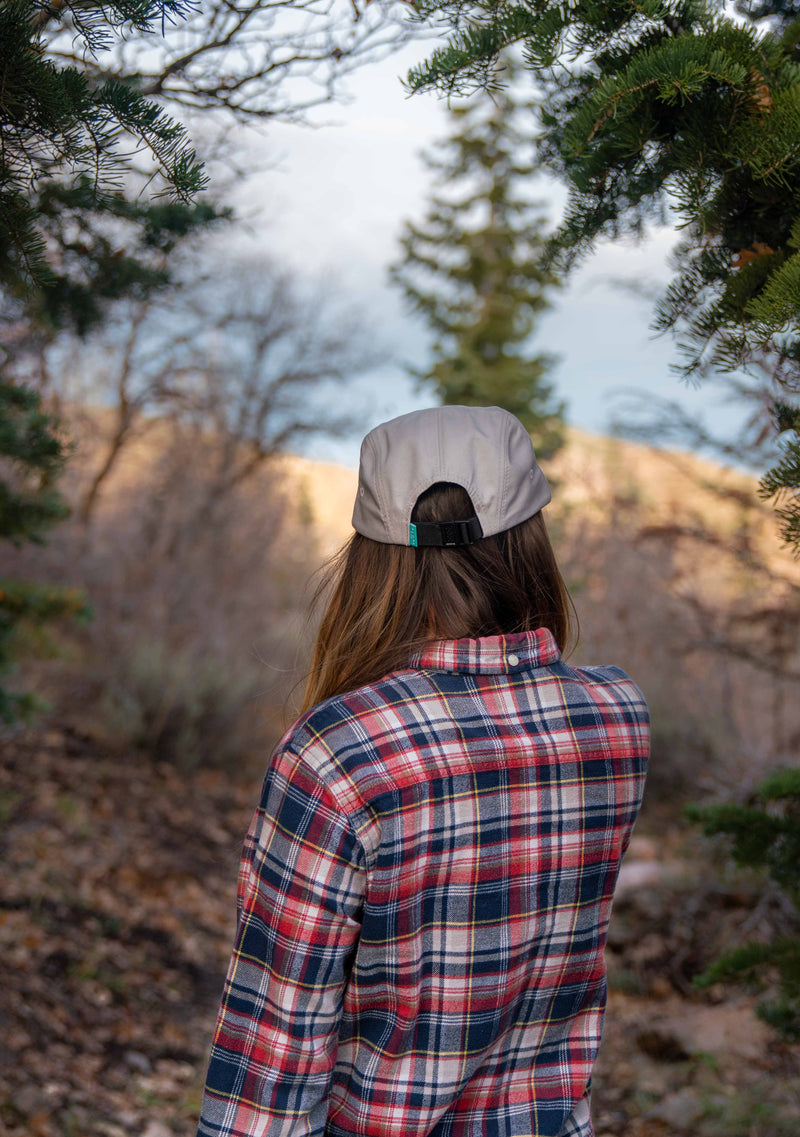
<point>116,919</point>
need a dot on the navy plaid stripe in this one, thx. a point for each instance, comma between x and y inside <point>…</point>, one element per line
<point>424,898</point>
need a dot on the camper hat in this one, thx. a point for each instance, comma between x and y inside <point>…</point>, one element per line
<point>486,450</point>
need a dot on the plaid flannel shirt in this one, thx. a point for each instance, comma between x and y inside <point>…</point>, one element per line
<point>424,897</point>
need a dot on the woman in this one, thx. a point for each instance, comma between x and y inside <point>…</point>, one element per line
<point>425,888</point>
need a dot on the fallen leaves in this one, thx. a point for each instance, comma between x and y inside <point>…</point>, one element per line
<point>116,921</point>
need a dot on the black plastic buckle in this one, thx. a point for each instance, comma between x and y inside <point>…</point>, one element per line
<point>446,534</point>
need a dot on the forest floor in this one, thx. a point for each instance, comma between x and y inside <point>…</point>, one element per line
<point>116,920</point>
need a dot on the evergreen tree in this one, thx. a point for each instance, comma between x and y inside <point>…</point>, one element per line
<point>474,270</point>
<point>76,234</point>
<point>32,455</point>
<point>671,104</point>
<point>71,237</point>
<point>766,835</point>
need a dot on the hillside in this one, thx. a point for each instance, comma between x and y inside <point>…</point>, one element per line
<point>594,475</point>
<point>674,564</point>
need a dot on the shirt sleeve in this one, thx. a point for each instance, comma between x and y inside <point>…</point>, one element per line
<point>301,885</point>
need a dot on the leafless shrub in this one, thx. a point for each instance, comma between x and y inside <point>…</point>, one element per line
<point>694,622</point>
<point>248,353</point>
<point>197,598</point>
<point>178,408</point>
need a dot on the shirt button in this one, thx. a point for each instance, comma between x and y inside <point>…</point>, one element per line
<point>513,660</point>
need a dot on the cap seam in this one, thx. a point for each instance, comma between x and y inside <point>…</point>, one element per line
<point>439,463</point>
<point>379,493</point>
<point>504,471</point>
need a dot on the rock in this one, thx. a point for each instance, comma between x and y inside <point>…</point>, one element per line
<point>642,849</point>
<point>138,1061</point>
<point>80,1117</point>
<point>648,949</point>
<point>30,1100</point>
<point>655,1081</point>
<point>129,1118</point>
<point>729,1030</point>
<point>639,879</point>
<point>157,1129</point>
<point>680,1109</point>
<point>636,875</point>
<point>620,933</point>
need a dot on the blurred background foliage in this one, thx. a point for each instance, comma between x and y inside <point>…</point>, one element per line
<point>687,110</point>
<point>158,535</point>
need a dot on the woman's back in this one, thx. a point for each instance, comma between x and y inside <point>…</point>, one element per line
<point>481,799</point>
<point>425,889</point>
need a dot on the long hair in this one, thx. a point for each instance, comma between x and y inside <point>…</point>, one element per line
<point>387,601</point>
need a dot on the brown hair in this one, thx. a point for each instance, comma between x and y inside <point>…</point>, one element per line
<point>388,601</point>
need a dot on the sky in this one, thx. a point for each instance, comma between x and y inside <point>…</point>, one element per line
<point>330,200</point>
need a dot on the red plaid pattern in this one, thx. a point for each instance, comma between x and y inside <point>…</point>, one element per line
<point>424,898</point>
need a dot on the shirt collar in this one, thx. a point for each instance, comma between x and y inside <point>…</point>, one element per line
<point>490,655</point>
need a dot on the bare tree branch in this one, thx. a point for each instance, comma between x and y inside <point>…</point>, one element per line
<point>260,360</point>
<point>262,60</point>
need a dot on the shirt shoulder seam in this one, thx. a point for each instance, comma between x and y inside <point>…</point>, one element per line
<point>359,819</point>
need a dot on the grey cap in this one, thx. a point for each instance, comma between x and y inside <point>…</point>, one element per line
<point>484,449</point>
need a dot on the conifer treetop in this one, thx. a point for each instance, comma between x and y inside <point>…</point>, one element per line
<point>474,269</point>
<point>670,110</point>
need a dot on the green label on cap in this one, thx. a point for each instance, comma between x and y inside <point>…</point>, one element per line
<point>412,534</point>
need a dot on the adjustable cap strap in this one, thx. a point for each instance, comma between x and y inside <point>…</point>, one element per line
<point>445,534</point>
